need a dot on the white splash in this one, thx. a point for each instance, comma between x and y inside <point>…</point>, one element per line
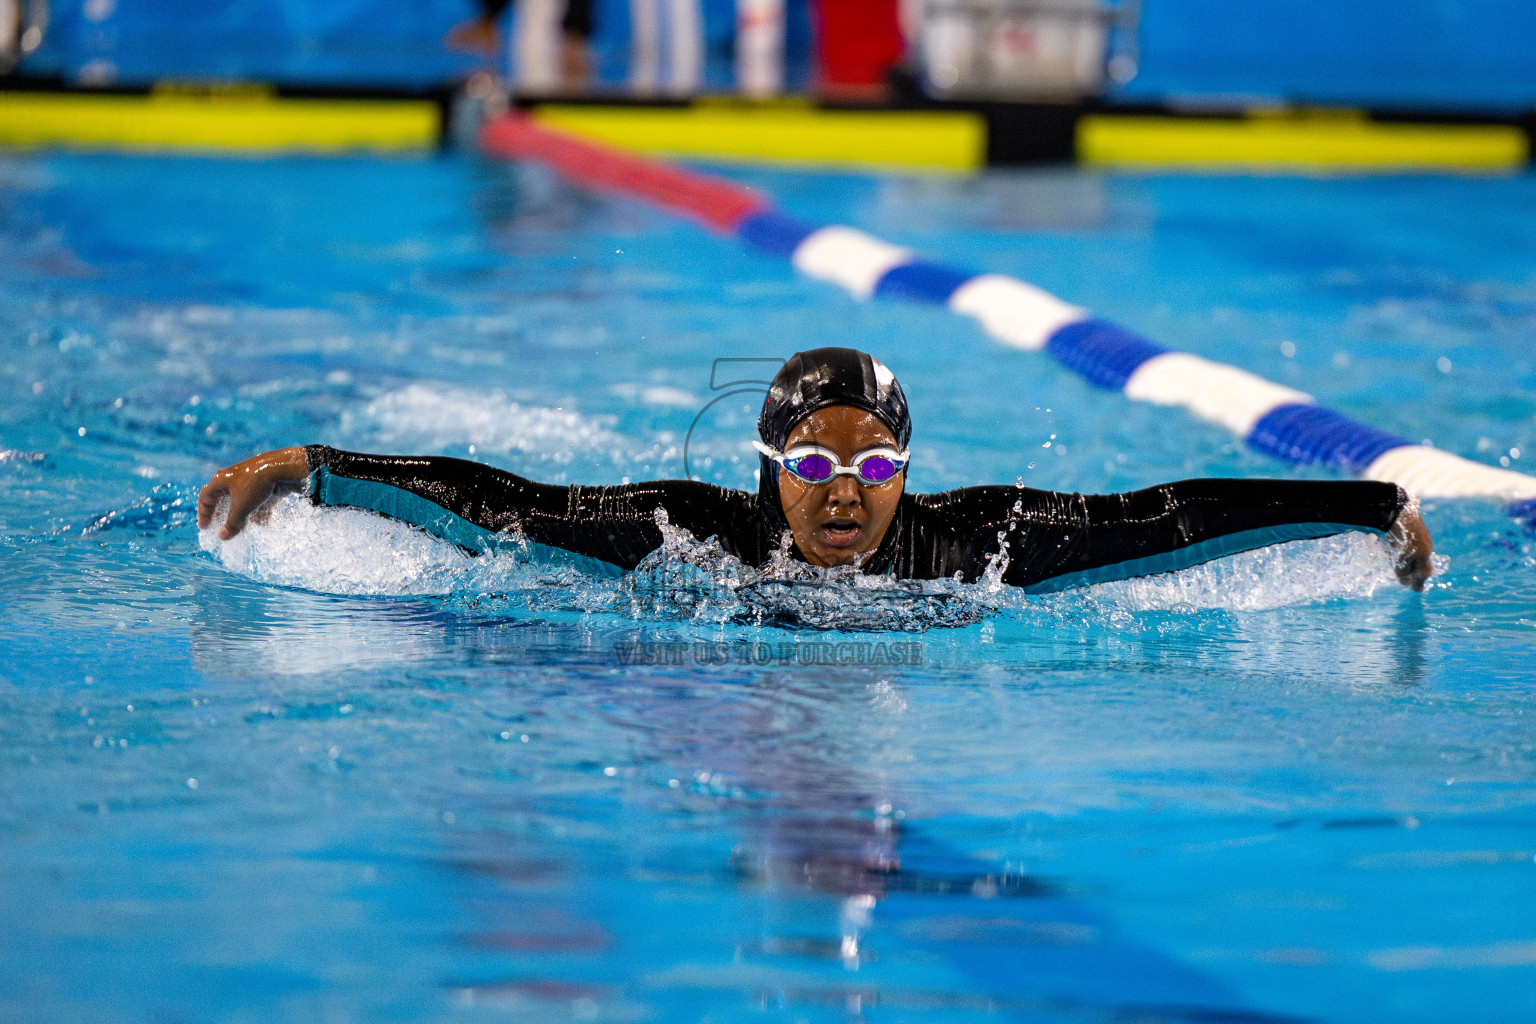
<point>432,417</point>
<point>352,552</point>
<point>337,551</point>
<point>1349,565</point>
<point>690,579</point>
<point>657,395</point>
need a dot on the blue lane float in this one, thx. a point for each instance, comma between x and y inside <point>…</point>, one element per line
<point>1269,417</point>
<point>1308,433</point>
<point>1102,353</point>
<point>1277,420</point>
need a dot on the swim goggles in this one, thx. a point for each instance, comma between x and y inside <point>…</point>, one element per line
<point>814,464</point>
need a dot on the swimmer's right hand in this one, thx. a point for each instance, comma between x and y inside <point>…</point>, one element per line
<point>247,484</point>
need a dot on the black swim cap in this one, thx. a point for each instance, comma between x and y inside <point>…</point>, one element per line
<point>832,376</point>
<point>814,380</point>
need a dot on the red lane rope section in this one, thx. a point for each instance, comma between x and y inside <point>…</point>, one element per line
<point>718,203</point>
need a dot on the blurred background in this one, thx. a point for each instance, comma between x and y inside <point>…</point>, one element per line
<point>1470,56</point>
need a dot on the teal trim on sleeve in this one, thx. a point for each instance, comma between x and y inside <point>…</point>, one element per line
<point>327,488</point>
<point>1194,554</point>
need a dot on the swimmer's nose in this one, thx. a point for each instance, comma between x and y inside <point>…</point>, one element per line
<point>844,491</point>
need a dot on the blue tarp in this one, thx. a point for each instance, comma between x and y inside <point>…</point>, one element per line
<point>1448,54</point>
<point>361,43</point>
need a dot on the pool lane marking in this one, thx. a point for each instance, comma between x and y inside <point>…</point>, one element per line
<point>849,258</point>
<point>1215,392</point>
<point>1269,417</point>
<point>712,201</point>
<point>1014,312</point>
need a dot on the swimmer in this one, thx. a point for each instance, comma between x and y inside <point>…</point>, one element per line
<point>833,455</point>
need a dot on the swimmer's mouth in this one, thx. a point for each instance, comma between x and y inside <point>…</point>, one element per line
<point>840,533</point>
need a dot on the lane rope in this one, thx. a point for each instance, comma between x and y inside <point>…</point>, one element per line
<point>1269,417</point>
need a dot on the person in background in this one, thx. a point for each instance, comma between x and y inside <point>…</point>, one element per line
<point>482,34</point>
<point>857,44</point>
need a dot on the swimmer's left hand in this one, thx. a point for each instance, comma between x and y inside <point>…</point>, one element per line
<point>1412,548</point>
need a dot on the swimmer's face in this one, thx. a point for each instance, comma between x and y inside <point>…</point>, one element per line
<point>833,522</point>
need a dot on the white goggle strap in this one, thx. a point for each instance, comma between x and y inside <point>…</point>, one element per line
<point>776,456</point>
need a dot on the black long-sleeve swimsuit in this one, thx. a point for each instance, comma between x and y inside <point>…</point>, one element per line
<point>1055,540</point>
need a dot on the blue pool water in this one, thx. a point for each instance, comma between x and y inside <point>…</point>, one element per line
<point>338,772</point>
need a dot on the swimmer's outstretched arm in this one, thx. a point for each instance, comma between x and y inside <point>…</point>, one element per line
<point>473,505</point>
<point>1058,540</point>
<point>1227,516</point>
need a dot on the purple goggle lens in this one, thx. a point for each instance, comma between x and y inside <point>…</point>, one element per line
<point>816,469</point>
<point>877,469</point>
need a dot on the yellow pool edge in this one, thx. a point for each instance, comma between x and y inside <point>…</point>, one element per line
<point>1301,143</point>
<point>943,141</point>
<point>242,122</point>
<point>250,119</point>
